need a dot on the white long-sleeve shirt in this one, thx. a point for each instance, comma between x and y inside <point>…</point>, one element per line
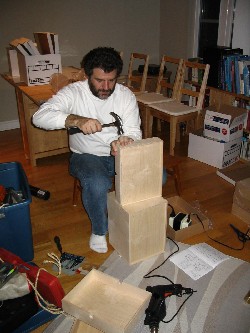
<point>76,98</point>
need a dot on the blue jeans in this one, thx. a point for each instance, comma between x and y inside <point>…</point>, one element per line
<point>95,175</point>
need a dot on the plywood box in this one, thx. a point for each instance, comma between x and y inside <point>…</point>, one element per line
<point>106,304</point>
<point>181,206</point>
<point>81,327</point>
<point>139,168</point>
<point>137,231</point>
<point>241,200</point>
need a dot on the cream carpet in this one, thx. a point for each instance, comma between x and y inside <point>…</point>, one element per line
<point>217,307</point>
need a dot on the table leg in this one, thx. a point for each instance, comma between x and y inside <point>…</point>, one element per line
<point>20,107</point>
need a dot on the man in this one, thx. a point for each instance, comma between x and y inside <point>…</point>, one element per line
<point>87,106</point>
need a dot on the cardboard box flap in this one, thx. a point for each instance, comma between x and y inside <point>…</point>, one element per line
<point>200,222</point>
<point>225,123</point>
<point>230,112</point>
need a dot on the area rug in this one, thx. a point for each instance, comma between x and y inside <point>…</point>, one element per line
<point>217,306</point>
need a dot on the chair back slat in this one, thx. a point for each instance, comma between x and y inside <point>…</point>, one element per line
<point>163,83</point>
<point>195,87</point>
<point>138,78</point>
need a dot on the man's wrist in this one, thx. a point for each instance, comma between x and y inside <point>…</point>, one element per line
<point>72,120</point>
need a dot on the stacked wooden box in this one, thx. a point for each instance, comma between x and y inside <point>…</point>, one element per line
<point>137,212</point>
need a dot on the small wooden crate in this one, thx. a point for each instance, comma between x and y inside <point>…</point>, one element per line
<point>138,230</point>
<point>106,304</point>
<point>241,200</point>
<point>139,168</point>
<point>181,206</point>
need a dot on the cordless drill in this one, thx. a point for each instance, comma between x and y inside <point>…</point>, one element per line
<point>156,311</point>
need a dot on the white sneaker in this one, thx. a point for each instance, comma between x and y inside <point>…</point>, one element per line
<point>98,243</point>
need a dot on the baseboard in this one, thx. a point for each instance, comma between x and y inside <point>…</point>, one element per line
<point>8,125</point>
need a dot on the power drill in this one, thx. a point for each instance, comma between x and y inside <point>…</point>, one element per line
<point>156,311</point>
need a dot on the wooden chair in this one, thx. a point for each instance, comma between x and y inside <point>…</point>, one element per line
<point>172,164</point>
<point>165,89</point>
<point>177,111</point>
<point>137,83</point>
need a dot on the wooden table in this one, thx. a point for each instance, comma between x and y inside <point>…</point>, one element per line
<point>37,143</point>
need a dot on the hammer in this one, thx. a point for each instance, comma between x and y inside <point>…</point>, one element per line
<point>117,123</point>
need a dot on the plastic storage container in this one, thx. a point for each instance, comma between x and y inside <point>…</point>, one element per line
<point>15,224</point>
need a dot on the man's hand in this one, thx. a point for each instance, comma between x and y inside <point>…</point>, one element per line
<point>89,125</point>
<point>122,141</point>
<point>86,125</point>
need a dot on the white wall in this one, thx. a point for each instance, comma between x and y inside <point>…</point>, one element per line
<point>127,25</point>
<point>174,28</point>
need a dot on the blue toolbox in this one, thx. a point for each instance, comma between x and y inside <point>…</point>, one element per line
<point>15,223</point>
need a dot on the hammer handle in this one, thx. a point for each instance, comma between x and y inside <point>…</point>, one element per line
<point>74,130</point>
<point>58,244</point>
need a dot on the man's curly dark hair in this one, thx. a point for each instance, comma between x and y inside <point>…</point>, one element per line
<point>106,58</point>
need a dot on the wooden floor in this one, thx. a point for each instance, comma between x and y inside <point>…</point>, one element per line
<point>58,216</point>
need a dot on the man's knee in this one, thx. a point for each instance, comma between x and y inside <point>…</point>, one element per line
<point>98,184</point>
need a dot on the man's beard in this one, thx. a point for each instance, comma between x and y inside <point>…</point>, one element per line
<point>100,93</point>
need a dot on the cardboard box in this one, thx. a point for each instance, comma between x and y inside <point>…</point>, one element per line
<point>235,173</point>
<point>181,206</point>
<point>212,152</point>
<point>106,304</point>
<point>241,200</point>
<point>36,70</point>
<point>13,62</point>
<point>137,231</point>
<point>225,124</point>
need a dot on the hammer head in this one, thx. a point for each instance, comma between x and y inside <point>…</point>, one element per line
<point>117,123</point>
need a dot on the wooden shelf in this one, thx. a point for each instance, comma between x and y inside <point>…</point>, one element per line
<point>228,93</point>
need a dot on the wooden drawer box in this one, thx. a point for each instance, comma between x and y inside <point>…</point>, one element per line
<point>106,304</point>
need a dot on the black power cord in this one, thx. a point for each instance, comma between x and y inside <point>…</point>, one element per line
<point>191,291</point>
<point>243,237</point>
<point>147,276</point>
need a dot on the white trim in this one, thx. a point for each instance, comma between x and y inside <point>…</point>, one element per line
<point>8,125</point>
<point>225,23</point>
<point>196,27</point>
